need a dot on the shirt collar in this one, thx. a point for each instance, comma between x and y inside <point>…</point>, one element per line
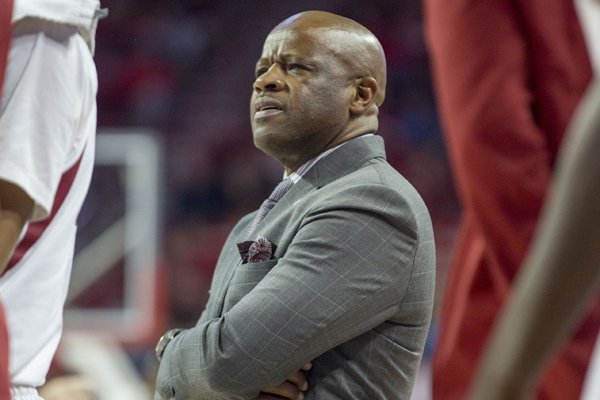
<point>303,169</point>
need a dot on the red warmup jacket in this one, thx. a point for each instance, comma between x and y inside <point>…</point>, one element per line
<point>508,76</point>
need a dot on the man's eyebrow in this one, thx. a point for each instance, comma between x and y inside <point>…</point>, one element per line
<point>300,59</point>
<point>262,61</point>
<point>284,57</point>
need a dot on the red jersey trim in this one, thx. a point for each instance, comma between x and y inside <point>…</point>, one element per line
<point>36,229</point>
<point>5,33</point>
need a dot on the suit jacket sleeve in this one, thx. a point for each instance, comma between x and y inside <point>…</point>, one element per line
<point>344,273</point>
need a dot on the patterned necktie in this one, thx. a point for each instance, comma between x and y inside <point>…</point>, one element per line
<point>269,203</point>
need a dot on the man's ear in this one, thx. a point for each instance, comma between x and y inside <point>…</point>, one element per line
<point>365,90</point>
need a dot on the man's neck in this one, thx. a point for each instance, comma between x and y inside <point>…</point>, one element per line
<point>299,172</point>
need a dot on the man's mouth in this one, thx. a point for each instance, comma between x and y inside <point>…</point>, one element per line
<point>266,107</point>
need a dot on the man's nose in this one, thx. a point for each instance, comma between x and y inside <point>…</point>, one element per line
<point>271,80</point>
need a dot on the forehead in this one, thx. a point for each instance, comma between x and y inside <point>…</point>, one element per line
<point>291,42</point>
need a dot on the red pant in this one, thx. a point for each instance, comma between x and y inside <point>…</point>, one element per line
<point>508,76</point>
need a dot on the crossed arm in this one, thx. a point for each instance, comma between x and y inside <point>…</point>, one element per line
<point>343,274</point>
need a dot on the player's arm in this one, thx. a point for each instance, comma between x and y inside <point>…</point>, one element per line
<point>15,209</point>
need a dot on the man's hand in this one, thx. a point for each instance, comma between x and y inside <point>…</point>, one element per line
<point>68,387</point>
<point>293,388</point>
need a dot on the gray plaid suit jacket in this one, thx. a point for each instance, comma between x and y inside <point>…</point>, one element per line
<point>350,288</point>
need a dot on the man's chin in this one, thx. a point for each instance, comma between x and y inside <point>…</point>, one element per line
<point>268,143</point>
<point>266,146</point>
<point>263,138</point>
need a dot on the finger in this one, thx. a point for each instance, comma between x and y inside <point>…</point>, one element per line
<point>265,396</point>
<point>307,366</point>
<point>299,379</point>
<point>287,390</point>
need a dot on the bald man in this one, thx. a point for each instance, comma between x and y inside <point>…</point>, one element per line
<point>339,274</point>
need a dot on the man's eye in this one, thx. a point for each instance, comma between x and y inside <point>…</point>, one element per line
<point>291,67</point>
<point>261,71</point>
